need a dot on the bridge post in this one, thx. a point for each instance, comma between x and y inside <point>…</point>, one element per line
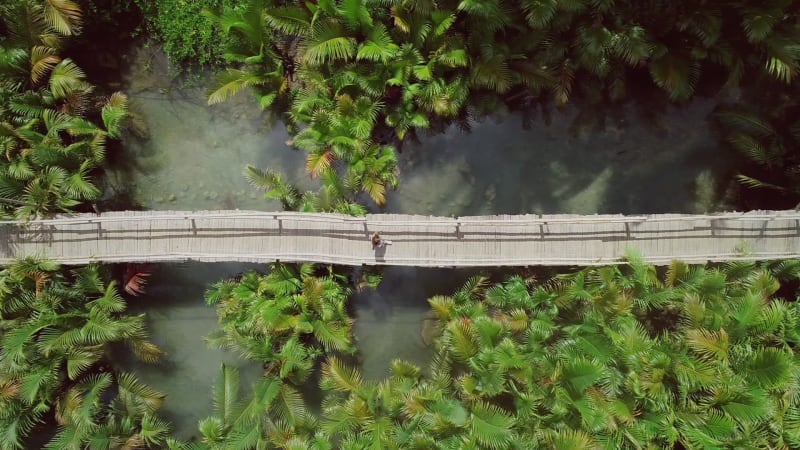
<point>541,227</point>
<point>99,228</point>
<point>763,231</point>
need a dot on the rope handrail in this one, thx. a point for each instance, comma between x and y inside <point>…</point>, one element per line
<point>374,220</point>
<point>477,262</point>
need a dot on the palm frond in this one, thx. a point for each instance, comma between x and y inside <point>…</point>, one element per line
<point>333,336</point>
<point>744,122</point>
<point>43,60</point>
<point>153,430</point>
<point>379,46</point>
<point>356,14</point>
<point>79,185</point>
<point>462,339</point>
<point>491,426</point>
<point>337,376</point>
<point>80,360</point>
<point>63,15</point>
<point>769,368</point>
<point>755,183</point>
<point>145,350</point>
<point>290,20</point>
<point>137,395</point>
<point>758,26</point>
<point>226,394</point>
<point>328,43</point>
<point>67,78</point>
<point>709,344</point>
<point>273,182</point>
<point>114,113</point>
<point>229,83</point>
<point>568,439</point>
<point>677,75</point>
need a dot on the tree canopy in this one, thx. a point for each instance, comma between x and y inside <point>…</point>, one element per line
<point>613,357</point>
<point>50,140</point>
<point>56,328</point>
<point>354,77</point>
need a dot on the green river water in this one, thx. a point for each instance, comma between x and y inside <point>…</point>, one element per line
<point>186,155</point>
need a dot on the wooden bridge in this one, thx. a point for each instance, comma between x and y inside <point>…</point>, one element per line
<point>252,236</point>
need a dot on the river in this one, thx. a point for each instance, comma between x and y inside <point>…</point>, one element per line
<point>186,155</point>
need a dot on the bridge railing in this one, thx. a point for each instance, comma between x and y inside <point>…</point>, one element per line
<point>375,220</point>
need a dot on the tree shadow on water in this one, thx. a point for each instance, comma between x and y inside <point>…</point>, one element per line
<point>616,160</point>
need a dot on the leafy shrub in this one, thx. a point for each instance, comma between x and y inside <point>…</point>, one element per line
<point>189,38</point>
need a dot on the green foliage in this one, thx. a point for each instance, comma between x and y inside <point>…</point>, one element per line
<point>55,329</point>
<point>334,196</point>
<point>286,319</point>
<point>273,417</point>
<point>50,147</point>
<point>401,66</point>
<point>188,36</point>
<point>86,419</point>
<point>623,347</point>
<point>621,357</point>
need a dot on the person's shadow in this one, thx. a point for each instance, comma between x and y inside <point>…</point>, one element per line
<point>380,252</point>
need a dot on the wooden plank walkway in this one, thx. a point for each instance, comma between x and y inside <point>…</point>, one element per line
<point>253,236</point>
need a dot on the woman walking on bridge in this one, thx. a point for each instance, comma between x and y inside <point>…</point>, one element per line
<point>377,242</point>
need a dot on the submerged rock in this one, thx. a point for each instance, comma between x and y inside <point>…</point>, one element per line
<point>138,126</point>
<point>491,193</point>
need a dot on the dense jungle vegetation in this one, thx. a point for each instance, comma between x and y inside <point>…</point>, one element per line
<point>356,79</point>
<point>684,357</point>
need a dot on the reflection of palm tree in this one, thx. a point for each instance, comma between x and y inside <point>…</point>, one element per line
<point>771,142</point>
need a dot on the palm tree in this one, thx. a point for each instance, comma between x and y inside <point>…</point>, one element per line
<point>629,357</point>
<point>285,319</point>
<point>54,333</point>
<point>50,148</point>
<point>265,63</point>
<point>333,196</point>
<point>274,417</point>
<point>129,420</point>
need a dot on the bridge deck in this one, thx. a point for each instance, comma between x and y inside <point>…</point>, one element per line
<point>159,236</point>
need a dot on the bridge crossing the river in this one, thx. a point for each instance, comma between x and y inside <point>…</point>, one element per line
<point>425,241</point>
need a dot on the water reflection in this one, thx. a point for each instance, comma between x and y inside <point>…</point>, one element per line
<point>579,165</point>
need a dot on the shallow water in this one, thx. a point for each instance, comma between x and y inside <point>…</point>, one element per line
<point>389,320</point>
<point>631,164</point>
<point>179,320</point>
<point>190,156</point>
<point>182,153</point>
